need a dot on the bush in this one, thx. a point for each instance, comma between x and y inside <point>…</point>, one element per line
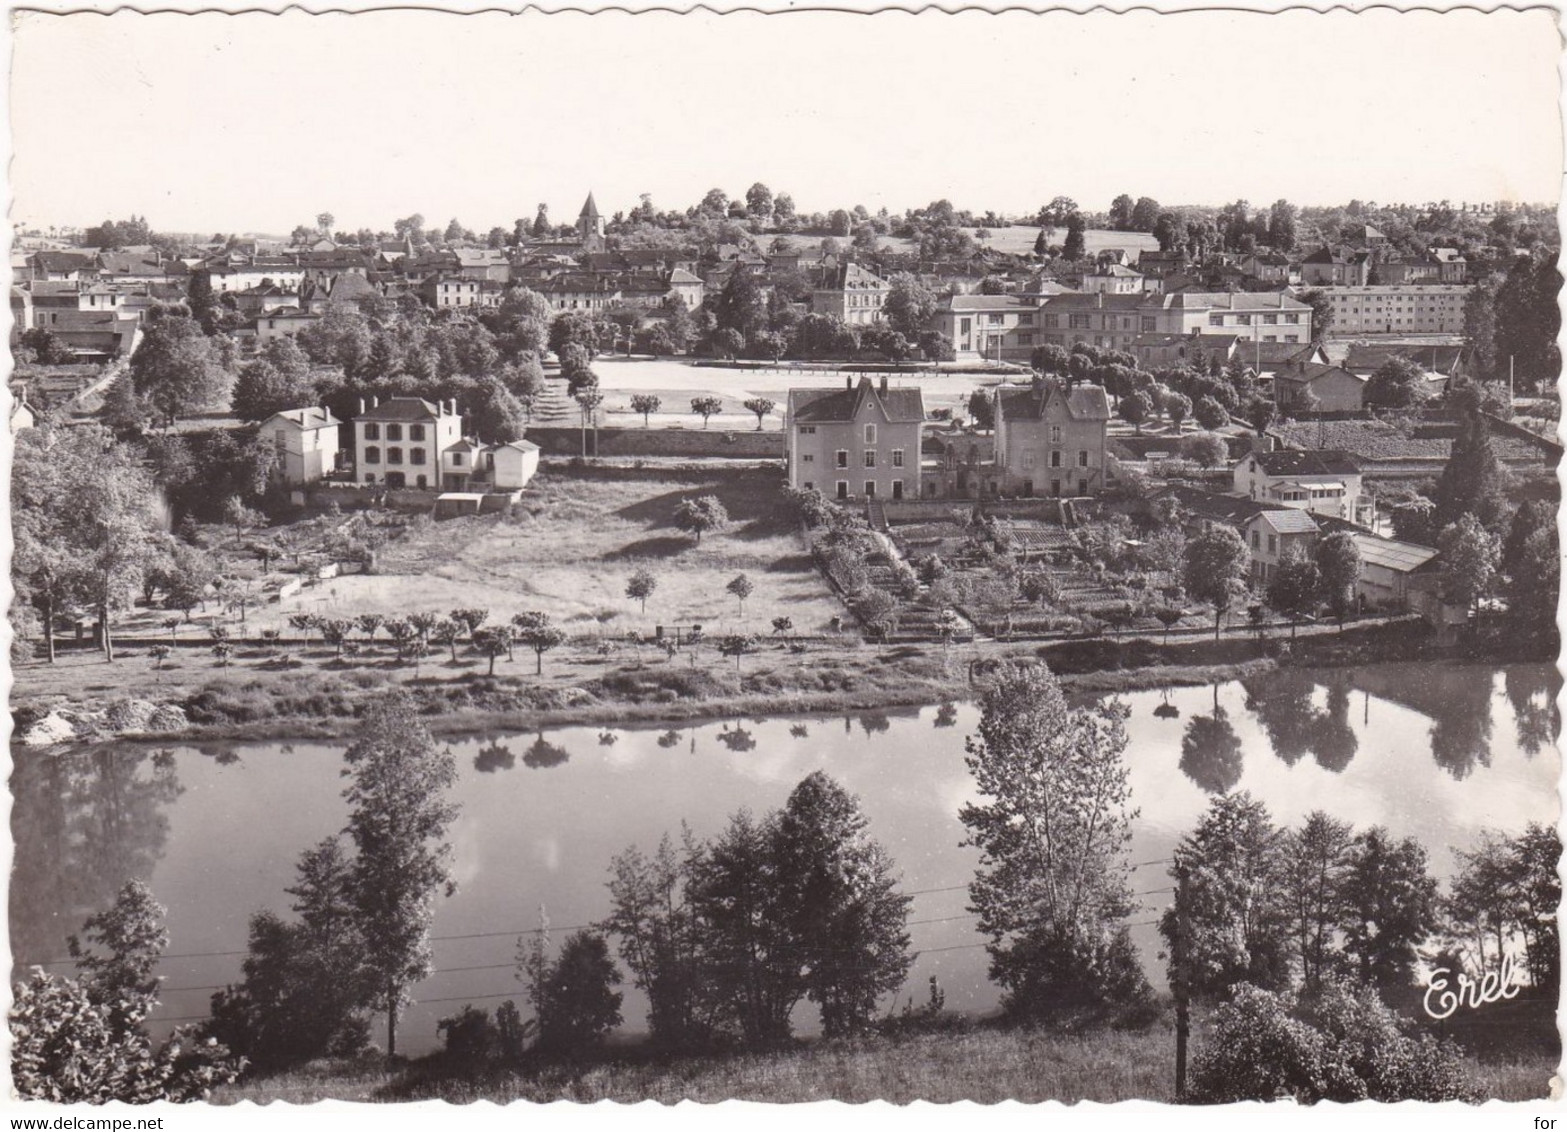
<point>1341,1044</point>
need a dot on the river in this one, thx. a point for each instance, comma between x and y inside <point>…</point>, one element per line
<point>1438,752</point>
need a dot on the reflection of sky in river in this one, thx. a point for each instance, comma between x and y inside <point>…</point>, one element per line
<point>541,820</point>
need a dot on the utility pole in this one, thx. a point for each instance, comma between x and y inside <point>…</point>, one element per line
<point>1181,988</point>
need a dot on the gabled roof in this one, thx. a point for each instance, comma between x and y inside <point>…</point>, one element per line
<point>521,446</point>
<point>1290,521</point>
<point>1371,356</point>
<point>836,278</point>
<point>1083,402</point>
<point>1272,354</point>
<point>1234,509</point>
<point>1307,372</point>
<point>681,275</point>
<point>901,405</point>
<point>402,409</point>
<point>312,417</point>
<point>590,210</point>
<point>1405,557</point>
<point>1306,462</point>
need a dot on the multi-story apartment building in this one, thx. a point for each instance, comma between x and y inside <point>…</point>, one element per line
<point>399,442</point>
<point>862,441</point>
<point>1051,440</point>
<point>850,292</point>
<point>1116,321</point>
<point>990,326</point>
<point>305,441</point>
<point>1410,308</point>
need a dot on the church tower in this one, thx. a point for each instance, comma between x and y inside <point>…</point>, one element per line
<point>590,226</point>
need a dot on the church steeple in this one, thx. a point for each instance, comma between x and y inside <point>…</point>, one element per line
<point>589,222</point>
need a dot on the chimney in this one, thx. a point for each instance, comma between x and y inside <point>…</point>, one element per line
<point>848,383</point>
<point>883,385</point>
<point>361,406</point>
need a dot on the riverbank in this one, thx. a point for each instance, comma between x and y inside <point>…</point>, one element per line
<point>310,694</point>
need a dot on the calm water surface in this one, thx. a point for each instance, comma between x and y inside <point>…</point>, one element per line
<point>1435,752</point>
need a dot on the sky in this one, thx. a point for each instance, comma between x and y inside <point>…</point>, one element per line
<point>256,123</point>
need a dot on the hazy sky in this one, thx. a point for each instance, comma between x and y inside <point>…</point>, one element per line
<point>257,123</point>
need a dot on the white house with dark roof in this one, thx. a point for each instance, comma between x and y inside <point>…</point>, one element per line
<point>1272,534</point>
<point>306,443</point>
<point>850,292</point>
<point>862,441</point>
<point>1322,481</point>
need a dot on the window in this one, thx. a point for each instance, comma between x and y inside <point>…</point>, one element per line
<point>1270,319</point>
<point>1216,319</point>
<point>1025,339</point>
<point>372,455</point>
<point>807,430</point>
<point>870,434</point>
<point>897,457</point>
<point>1078,321</point>
<point>456,459</point>
<point>870,457</point>
<point>843,489</point>
<point>394,455</point>
<point>394,432</point>
<point>1256,541</point>
<point>416,455</point>
<point>1082,487</point>
<point>1028,459</point>
<point>369,477</point>
<point>993,319</point>
<point>421,481</point>
<point>416,432</point>
<point>1243,319</point>
<point>1055,457</point>
<point>807,459</point>
<point>1292,318</point>
<point>1052,321</point>
<point>1055,434</point>
<point>1082,457</point>
<point>1026,319</point>
<point>870,489</point>
<point>1273,544</point>
<point>1149,325</point>
<point>809,486</point>
<point>372,431</point>
<point>843,457</point>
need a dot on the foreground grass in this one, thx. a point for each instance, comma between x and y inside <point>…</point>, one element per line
<point>985,1065</point>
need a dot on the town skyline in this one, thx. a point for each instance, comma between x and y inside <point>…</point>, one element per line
<point>498,119</point>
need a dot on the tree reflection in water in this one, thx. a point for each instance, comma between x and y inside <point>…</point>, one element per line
<point>1281,701</point>
<point>874,723</point>
<point>1532,690</point>
<point>542,753</point>
<point>1333,741</point>
<point>736,738</point>
<point>669,739</point>
<point>493,757</point>
<point>1165,709</point>
<point>946,715</point>
<point>1211,751</point>
<point>1461,723</point>
<point>82,824</point>
<point>799,731</point>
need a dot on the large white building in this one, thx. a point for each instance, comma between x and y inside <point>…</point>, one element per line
<point>1410,308</point>
<point>399,442</point>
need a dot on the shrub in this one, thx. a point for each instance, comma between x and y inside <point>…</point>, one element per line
<point>1343,1044</point>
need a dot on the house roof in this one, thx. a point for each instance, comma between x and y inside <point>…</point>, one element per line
<point>402,409</point>
<point>311,417</point>
<point>1371,356</point>
<point>1083,402</point>
<point>1306,462</point>
<point>1391,554</point>
<point>1214,507</point>
<point>1304,373</point>
<point>65,261</point>
<point>902,405</point>
<point>521,446</point>
<point>1272,354</point>
<point>836,278</point>
<point>989,302</point>
<point>681,275</point>
<point>1291,521</point>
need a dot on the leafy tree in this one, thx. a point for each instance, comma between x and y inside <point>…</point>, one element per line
<point>706,407</point>
<point>398,818</point>
<point>1316,864</point>
<point>535,630</point>
<point>846,920</point>
<point>1052,830</point>
<point>1206,449</point>
<point>1472,480</point>
<point>175,369</point>
<point>736,645</point>
<point>741,305</point>
<point>702,514</point>
<point>640,587</point>
<point>1390,899</point>
<point>909,305</point>
<point>728,342</point>
<point>1145,214</point>
<point>742,587</point>
<point>1178,407</point>
<point>1121,213</point>
<point>1398,383</point>
<point>1135,409</point>
<point>761,406</point>
<point>574,328</point>
<point>1216,568</point>
<point>646,404</point>
<point>1295,587</point>
<point>304,986</point>
<point>1233,924</point>
<point>1469,560</point>
<point>759,201</point>
<point>492,643</point>
<point>574,1000</point>
<point>1337,557</point>
<point>1281,226</point>
<point>1074,249</point>
<point>85,1040</point>
<point>497,414</point>
<point>1321,314</point>
<point>1528,321</point>
<point>1210,414</point>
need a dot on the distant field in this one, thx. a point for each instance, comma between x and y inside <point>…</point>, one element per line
<point>1016,240</point>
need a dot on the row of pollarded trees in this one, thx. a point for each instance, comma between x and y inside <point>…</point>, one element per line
<point>414,635</point>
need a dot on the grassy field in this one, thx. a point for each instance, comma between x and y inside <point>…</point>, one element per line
<point>981,1064</point>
